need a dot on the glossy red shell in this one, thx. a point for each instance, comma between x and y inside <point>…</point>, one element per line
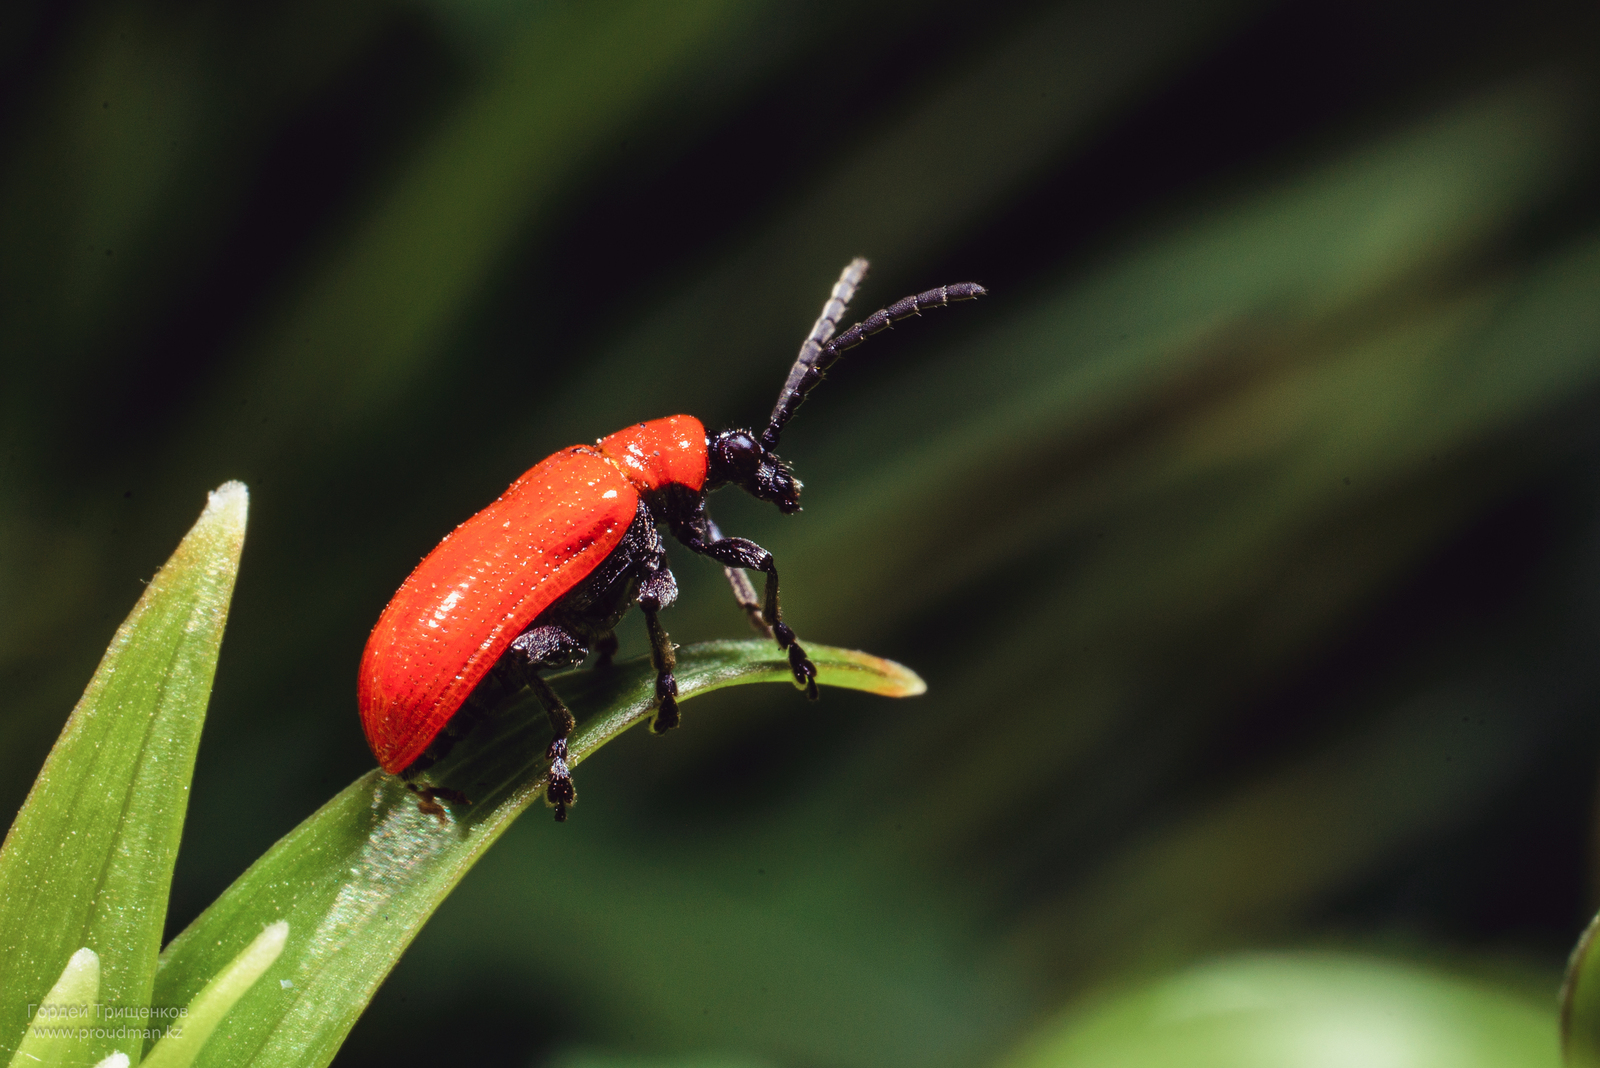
<point>491,576</point>
<point>661,452</point>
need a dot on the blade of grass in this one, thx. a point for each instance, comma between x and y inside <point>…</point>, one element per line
<point>55,1038</point>
<point>179,1047</point>
<point>358,879</point>
<point>1297,1011</point>
<point>88,862</point>
<point>1580,1003</point>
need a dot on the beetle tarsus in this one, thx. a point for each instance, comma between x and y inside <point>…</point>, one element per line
<point>428,798</point>
<point>560,793</point>
<point>666,703</point>
<point>429,807</point>
<point>667,717</point>
<point>805,672</point>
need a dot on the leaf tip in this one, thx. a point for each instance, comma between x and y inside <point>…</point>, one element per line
<point>78,988</point>
<point>271,939</point>
<point>228,503</point>
<point>1572,1035</point>
<point>874,674</point>
<point>86,961</point>
<point>79,982</point>
<point>178,1049</point>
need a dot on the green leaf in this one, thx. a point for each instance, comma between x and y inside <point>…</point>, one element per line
<point>358,879</point>
<point>88,862</point>
<point>1580,1003</point>
<point>181,1044</point>
<point>53,1037</point>
<point>1301,1010</point>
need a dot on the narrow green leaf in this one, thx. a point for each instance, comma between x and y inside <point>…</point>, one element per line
<point>53,1036</point>
<point>88,861</point>
<point>1301,1010</point>
<point>357,880</point>
<point>180,1045</point>
<point>1580,1003</point>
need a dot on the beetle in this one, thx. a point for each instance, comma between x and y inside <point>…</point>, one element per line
<point>541,577</point>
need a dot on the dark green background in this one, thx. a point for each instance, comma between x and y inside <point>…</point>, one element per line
<point>1246,535</point>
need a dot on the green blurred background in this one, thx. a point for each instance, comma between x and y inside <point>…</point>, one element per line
<point>1246,535</point>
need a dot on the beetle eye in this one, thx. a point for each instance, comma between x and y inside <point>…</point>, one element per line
<point>743,454</point>
<point>736,455</point>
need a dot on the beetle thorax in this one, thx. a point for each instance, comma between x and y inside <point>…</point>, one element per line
<point>659,454</point>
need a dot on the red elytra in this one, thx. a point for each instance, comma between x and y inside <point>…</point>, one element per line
<point>453,619</point>
<point>542,575</point>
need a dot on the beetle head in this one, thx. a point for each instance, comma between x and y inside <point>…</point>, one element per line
<point>737,457</point>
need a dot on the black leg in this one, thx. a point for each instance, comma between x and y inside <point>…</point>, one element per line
<point>607,648</point>
<point>560,793</point>
<point>737,552</point>
<point>655,593</point>
<point>743,591</point>
<point>547,647</point>
<point>428,798</point>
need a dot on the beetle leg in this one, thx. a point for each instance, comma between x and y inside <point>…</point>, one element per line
<point>428,798</point>
<point>743,590</point>
<point>560,793</point>
<point>738,552</point>
<point>606,647</point>
<point>658,591</point>
<point>550,646</point>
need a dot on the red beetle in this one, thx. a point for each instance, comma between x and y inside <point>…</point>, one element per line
<point>544,574</point>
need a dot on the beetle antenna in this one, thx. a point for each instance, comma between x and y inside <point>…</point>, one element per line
<point>822,330</point>
<point>821,349</point>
